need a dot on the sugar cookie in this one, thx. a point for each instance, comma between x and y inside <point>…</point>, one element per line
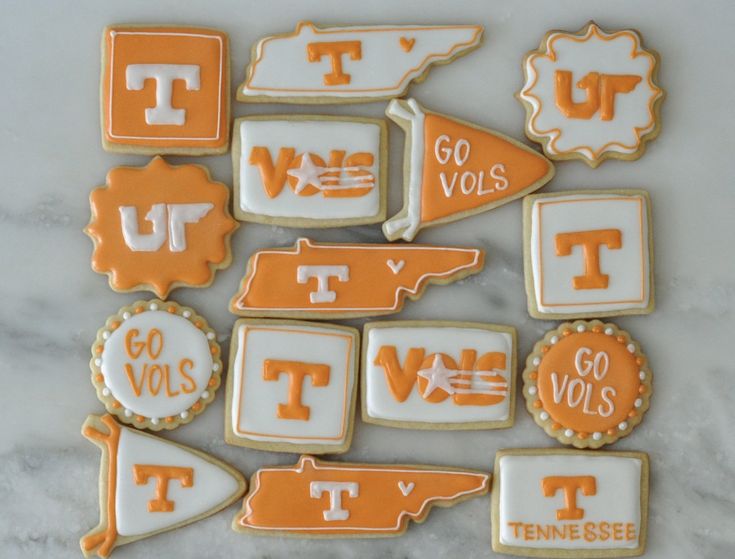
<point>342,280</point>
<point>588,253</point>
<point>292,386</point>
<point>454,169</point>
<point>159,227</point>
<point>592,95</point>
<point>309,170</point>
<point>149,485</point>
<point>438,375</point>
<point>155,364</point>
<point>165,89</point>
<point>587,384</point>
<point>570,503</point>
<point>320,499</point>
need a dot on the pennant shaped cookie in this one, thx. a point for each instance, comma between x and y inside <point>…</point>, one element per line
<point>340,280</point>
<point>453,169</point>
<point>149,485</point>
<point>350,64</point>
<point>332,499</point>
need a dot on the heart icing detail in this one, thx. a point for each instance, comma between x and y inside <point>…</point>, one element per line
<point>407,44</point>
<point>406,488</point>
<point>396,267</point>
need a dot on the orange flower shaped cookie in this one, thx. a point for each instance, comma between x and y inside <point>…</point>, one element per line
<point>159,227</point>
<point>587,384</point>
<point>592,95</point>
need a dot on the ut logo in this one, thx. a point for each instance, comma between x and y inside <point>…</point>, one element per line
<point>335,50</point>
<point>167,220</point>
<point>590,241</point>
<point>601,90</point>
<point>473,382</point>
<point>163,75</point>
<point>307,174</point>
<point>569,485</point>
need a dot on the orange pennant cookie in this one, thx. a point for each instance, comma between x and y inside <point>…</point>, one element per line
<point>587,384</point>
<point>150,485</point>
<point>334,280</point>
<point>159,227</point>
<point>331,499</point>
<point>453,169</point>
<point>165,89</point>
<point>592,95</point>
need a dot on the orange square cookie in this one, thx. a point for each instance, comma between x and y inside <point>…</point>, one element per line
<point>165,89</point>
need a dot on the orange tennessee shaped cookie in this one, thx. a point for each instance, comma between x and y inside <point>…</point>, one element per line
<point>159,227</point>
<point>454,169</point>
<point>334,280</point>
<point>331,499</point>
<point>150,485</point>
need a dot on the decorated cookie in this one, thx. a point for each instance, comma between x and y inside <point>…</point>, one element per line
<point>159,227</point>
<point>570,503</point>
<point>453,169</point>
<point>438,375</point>
<point>333,499</point>
<point>310,171</point>
<point>592,95</point>
<point>350,64</point>
<point>165,89</point>
<point>156,364</point>
<point>588,253</point>
<point>149,485</point>
<point>292,386</point>
<point>341,280</point>
<point>587,383</point>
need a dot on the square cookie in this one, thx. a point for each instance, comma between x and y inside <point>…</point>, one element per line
<point>165,89</point>
<point>438,375</point>
<point>291,386</point>
<point>310,170</point>
<point>570,503</point>
<point>588,254</point>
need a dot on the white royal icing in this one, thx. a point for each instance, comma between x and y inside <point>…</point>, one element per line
<point>380,401</point>
<point>384,68</point>
<point>617,497</point>
<point>632,116</point>
<point>318,137</point>
<point>164,76</point>
<point>181,340</point>
<point>167,220</point>
<point>211,484</point>
<point>255,400</point>
<point>627,266</point>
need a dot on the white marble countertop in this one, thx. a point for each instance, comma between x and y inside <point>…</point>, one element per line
<point>53,303</point>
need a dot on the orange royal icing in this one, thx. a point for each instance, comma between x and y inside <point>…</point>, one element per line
<point>569,485</point>
<point>335,50</point>
<point>346,279</point>
<point>588,382</point>
<point>590,241</point>
<point>165,88</point>
<point>163,475</point>
<point>297,373</point>
<point>159,226</point>
<point>334,499</point>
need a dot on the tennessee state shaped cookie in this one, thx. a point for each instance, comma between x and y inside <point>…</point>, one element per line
<point>592,95</point>
<point>570,503</point>
<point>159,227</point>
<point>438,375</point>
<point>310,171</point>
<point>155,364</point>
<point>342,280</point>
<point>453,169</point>
<point>292,386</point>
<point>588,253</point>
<point>165,89</point>
<point>331,499</point>
<point>587,383</point>
<point>350,64</point>
<point>150,485</point>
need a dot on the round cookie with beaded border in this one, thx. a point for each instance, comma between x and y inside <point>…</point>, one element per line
<point>587,383</point>
<point>156,364</point>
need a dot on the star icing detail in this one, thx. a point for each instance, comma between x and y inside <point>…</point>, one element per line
<point>306,174</point>
<point>438,376</point>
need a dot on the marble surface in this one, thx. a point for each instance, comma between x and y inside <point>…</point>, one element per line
<point>53,303</point>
